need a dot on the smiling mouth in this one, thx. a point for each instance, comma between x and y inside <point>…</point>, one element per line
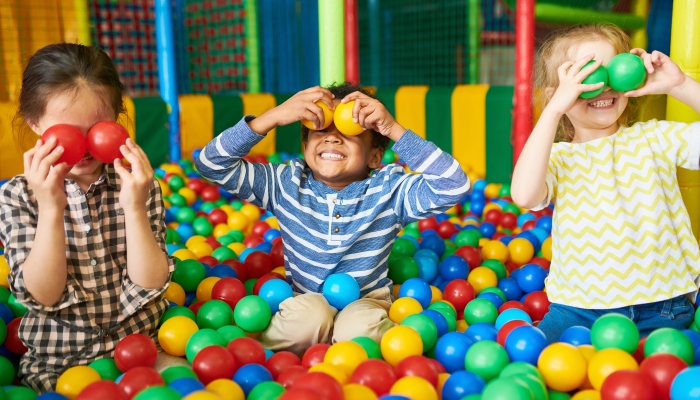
<point>332,156</point>
<point>87,159</point>
<point>603,103</point>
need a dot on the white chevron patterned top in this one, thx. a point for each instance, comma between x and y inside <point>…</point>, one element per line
<point>621,232</point>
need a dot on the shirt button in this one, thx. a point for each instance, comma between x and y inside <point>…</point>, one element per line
<point>333,201</point>
<point>336,230</point>
<point>89,195</point>
<point>86,228</point>
<point>337,215</point>
<point>93,262</point>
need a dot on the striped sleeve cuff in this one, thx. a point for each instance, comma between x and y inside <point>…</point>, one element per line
<point>239,139</point>
<point>413,149</point>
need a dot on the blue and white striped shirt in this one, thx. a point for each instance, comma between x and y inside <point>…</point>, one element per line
<point>326,231</point>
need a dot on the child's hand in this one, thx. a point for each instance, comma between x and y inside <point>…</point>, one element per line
<point>296,108</point>
<point>45,181</point>
<point>371,114</point>
<point>135,185</point>
<point>664,75</point>
<point>570,86</point>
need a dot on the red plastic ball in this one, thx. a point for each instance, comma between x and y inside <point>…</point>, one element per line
<point>253,240</point>
<point>321,383</point>
<point>195,307</point>
<point>376,375</point>
<point>138,379</point>
<point>261,281</point>
<point>277,253</point>
<point>513,304</point>
<point>471,255</point>
<point>506,329</point>
<point>529,225</point>
<point>209,260</point>
<point>217,216</point>
<point>228,290</point>
<point>212,363</point>
<point>12,340</point>
<point>238,267</point>
<point>511,266</point>
<point>508,220</point>
<point>639,353</point>
<point>661,369</point>
<point>258,264</point>
<point>260,227</point>
<point>439,367</point>
<point>493,216</point>
<point>135,350</point>
<point>201,214</point>
<point>446,229</point>
<point>627,385</point>
<point>102,390</point>
<point>290,375</point>
<point>104,140</point>
<point>426,224</point>
<point>260,159</point>
<point>498,235</point>
<point>301,394</point>
<point>418,366</point>
<point>541,262</point>
<point>72,140</point>
<point>211,241</point>
<point>280,361</point>
<point>537,304</point>
<point>196,185</point>
<point>210,193</point>
<point>246,351</point>
<point>459,292</point>
<point>314,355</point>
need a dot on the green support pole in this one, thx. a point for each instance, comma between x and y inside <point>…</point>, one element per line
<point>252,45</point>
<point>331,28</point>
<point>474,40</point>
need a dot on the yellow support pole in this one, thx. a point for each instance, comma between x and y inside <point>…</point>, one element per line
<point>82,18</point>
<point>640,8</point>
<point>685,39</point>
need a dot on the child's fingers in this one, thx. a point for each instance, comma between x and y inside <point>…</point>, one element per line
<point>138,151</point>
<point>354,96</point>
<point>121,170</point>
<point>583,73</point>
<point>28,157</point>
<point>576,66</point>
<point>590,86</point>
<point>44,165</point>
<point>363,114</point>
<point>58,173</point>
<point>563,69</point>
<point>318,117</point>
<point>311,116</point>
<point>42,152</point>
<point>657,59</point>
<point>328,100</point>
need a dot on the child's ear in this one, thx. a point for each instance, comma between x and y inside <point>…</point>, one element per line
<point>375,158</point>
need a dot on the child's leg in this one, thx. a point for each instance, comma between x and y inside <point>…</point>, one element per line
<point>301,322</point>
<point>365,317</point>
<point>561,317</point>
<point>674,313</point>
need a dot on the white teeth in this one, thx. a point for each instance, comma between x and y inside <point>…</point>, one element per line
<point>601,103</point>
<point>332,155</point>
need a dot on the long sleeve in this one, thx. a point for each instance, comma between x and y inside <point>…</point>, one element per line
<point>221,162</point>
<point>441,183</point>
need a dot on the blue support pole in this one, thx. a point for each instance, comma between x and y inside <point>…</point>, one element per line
<point>167,72</point>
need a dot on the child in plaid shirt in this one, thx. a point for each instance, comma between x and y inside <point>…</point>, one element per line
<point>66,229</point>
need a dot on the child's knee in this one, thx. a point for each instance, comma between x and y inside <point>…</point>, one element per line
<point>365,317</point>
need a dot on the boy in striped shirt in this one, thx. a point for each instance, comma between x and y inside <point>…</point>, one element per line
<point>337,211</point>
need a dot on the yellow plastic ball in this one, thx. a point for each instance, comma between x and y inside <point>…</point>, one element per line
<point>495,249</point>
<point>400,342</point>
<point>174,334</point>
<point>238,221</point>
<point>330,370</point>
<point>202,395</point>
<point>75,379</point>
<point>436,294</point>
<point>607,361</point>
<point>547,249</point>
<point>227,208</point>
<point>521,251</point>
<point>355,391</point>
<point>251,212</point>
<point>491,190</point>
<point>442,378</point>
<point>455,220</point>
<point>184,254</point>
<point>403,308</point>
<point>462,325</point>
<point>414,387</point>
<point>346,356</point>
<point>452,211</point>
<point>173,225</point>
<point>226,389</point>
<point>491,206</point>
<point>327,118</point>
<point>563,367</point>
<point>189,195</point>
<point>205,287</point>
<point>164,189</point>
<point>482,277</point>
<point>280,270</point>
<point>273,222</point>
<point>473,176</point>
<point>175,293</point>
<point>395,291</point>
<point>171,168</point>
<point>588,351</point>
<point>167,204</point>
<point>200,249</point>
<point>237,248</point>
<point>587,395</point>
<point>195,239</point>
<point>343,119</point>
<point>471,222</point>
<point>483,241</point>
<point>220,230</point>
<point>4,272</point>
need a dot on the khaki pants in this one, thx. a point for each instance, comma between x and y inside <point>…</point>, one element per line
<point>308,319</point>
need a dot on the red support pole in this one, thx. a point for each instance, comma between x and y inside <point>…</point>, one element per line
<point>524,65</point>
<point>352,43</point>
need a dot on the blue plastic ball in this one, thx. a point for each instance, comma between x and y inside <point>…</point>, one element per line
<point>545,223</point>
<point>185,386</point>
<point>189,298</point>
<point>686,385</point>
<point>222,271</point>
<point>514,276</point>
<point>250,375</point>
<point>487,229</point>
<point>461,384</point>
<point>523,218</point>
<point>417,289</point>
<point>506,239</point>
<point>427,268</point>
<point>341,290</point>
<point>477,207</point>
<point>510,288</point>
<point>451,350</point>
<point>532,238</point>
<point>479,186</point>
<point>441,217</point>
<point>185,231</point>
<point>540,233</point>
<point>274,292</point>
<point>525,343</point>
<point>265,247</point>
<point>576,335</point>
<point>271,234</point>
<point>692,335</point>
<point>512,314</point>
<point>51,396</point>
<point>434,243</point>
<point>439,320</point>
<point>245,254</point>
<point>531,278</point>
<point>268,353</point>
<point>427,253</point>
<point>427,233</point>
<point>481,331</point>
<point>495,299</point>
<point>454,267</point>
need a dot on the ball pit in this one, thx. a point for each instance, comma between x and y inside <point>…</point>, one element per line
<point>469,288</point>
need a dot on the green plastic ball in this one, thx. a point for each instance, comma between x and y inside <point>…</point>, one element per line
<point>107,368</point>
<point>178,200</point>
<point>236,235</point>
<point>274,158</point>
<point>224,253</point>
<point>496,291</point>
<point>534,384</point>
<point>202,226</point>
<point>389,157</point>
<point>425,327</point>
<point>174,373</point>
<point>268,390</point>
<point>670,341</point>
<point>158,393</point>
<point>626,72</point>
<point>207,207</point>
<point>402,269</point>
<point>220,202</point>
<point>521,368</point>
<point>20,393</point>
<point>201,339</point>
<point>185,214</point>
<point>599,75</point>
<point>371,347</point>
<point>511,208</point>
<point>480,310</point>
<point>189,274</point>
<point>554,395</point>
<point>214,314</point>
<point>468,237</point>
<point>236,204</point>
<point>176,182</point>
<point>504,192</point>
<point>506,389</point>
<point>249,284</point>
<point>403,247</point>
<point>171,237</point>
<point>450,317</point>
<point>225,240</point>
<point>615,331</point>
<point>231,332</point>
<point>178,311</point>
<point>486,358</point>
<point>497,267</point>
<point>252,314</point>
<point>7,372</point>
<point>450,250</point>
<point>439,305</point>
<point>18,309</point>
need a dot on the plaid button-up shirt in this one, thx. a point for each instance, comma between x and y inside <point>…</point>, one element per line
<point>100,304</point>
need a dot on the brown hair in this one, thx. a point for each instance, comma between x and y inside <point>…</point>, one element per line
<point>553,54</point>
<point>341,90</point>
<point>60,68</point>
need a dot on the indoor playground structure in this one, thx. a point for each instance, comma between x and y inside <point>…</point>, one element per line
<point>469,283</point>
